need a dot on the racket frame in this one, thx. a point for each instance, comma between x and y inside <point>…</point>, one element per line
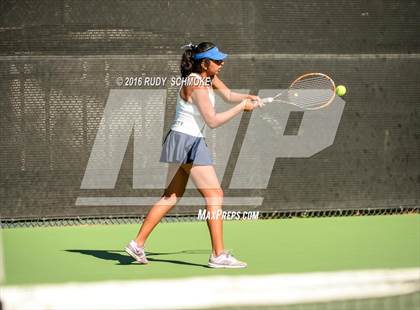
<point>333,89</point>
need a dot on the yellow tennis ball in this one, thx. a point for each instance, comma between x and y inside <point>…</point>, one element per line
<point>341,90</point>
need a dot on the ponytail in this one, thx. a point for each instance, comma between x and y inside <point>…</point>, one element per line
<point>187,61</point>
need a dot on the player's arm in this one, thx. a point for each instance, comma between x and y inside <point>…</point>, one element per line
<point>227,94</point>
<point>200,97</point>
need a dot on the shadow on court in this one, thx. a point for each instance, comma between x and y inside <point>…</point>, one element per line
<point>124,259</point>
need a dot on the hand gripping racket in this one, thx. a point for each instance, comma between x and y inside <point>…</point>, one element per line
<point>311,91</point>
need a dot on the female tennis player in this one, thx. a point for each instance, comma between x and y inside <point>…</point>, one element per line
<point>186,151</point>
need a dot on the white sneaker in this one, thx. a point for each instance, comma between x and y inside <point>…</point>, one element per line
<point>136,252</point>
<point>225,260</point>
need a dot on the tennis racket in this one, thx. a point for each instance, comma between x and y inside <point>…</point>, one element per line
<point>311,91</point>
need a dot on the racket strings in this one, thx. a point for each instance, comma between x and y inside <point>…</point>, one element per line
<point>311,92</point>
<point>314,101</point>
<point>313,83</point>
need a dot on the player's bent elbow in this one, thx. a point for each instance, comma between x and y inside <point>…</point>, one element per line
<point>212,124</point>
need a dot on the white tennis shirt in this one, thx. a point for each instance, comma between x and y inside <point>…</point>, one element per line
<point>188,118</point>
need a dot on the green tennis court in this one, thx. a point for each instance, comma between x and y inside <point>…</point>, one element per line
<point>292,247</point>
<point>180,250</point>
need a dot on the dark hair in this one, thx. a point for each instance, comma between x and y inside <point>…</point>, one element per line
<point>188,63</point>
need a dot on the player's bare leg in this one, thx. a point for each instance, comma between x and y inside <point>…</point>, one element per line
<point>207,183</point>
<point>177,179</point>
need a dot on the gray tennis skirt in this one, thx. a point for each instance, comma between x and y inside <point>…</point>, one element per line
<point>181,148</point>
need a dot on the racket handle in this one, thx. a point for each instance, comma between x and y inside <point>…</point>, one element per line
<point>267,100</point>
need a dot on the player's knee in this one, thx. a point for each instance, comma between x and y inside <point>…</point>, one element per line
<point>214,197</point>
<point>216,192</point>
<point>220,193</point>
<point>170,199</point>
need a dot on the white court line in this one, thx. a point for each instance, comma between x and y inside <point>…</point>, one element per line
<point>176,57</point>
<point>204,292</point>
<point>148,201</point>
